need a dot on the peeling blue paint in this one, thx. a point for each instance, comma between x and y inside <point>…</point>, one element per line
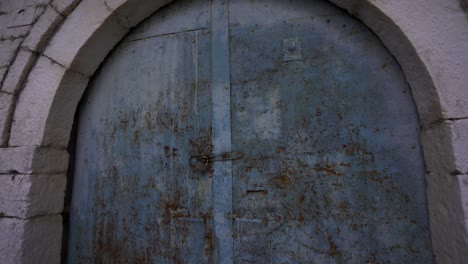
<point>313,120</point>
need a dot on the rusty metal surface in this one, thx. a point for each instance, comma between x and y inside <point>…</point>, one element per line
<point>332,169</point>
<point>221,128</point>
<point>135,198</point>
<point>303,101</point>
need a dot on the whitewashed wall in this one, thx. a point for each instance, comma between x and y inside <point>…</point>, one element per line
<point>50,48</point>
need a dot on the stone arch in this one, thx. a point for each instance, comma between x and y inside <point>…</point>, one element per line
<point>45,107</point>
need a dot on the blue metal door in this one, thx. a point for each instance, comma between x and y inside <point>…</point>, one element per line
<point>249,132</point>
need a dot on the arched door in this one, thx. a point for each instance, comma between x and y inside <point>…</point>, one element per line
<point>249,132</point>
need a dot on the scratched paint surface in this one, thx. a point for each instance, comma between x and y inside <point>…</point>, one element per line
<point>136,199</point>
<point>332,169</point>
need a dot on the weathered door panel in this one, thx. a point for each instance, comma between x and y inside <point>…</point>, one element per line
<point>180,16</point>
<point>136,199</point>
<point>332,169</point>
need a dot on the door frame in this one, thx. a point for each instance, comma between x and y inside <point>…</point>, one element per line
<point>41,117</point>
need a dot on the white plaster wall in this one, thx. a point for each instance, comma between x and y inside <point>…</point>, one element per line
<point>50,48</point>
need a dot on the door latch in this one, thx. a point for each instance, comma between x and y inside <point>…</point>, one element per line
<point>201,163</point>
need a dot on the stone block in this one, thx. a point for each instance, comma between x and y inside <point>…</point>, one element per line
<point>446,216</point>
<point>36,240</point>
<point>459,130</point>
<point>18,71</point>
<point>463,180</point>
<point>22,17</point>
<point>18,22</point>
<point>85,38</point>
<point>34,103</point>
<point>62,112</point>
<point>3,70</point>
<point>447,189</point>
<point>11,240</point>
<point>42,240</point>
<point>65,6</point>
<point>437,147</point>
<point>48,86</point>
<point>442,42</point>
<point>42,30</point>
<point>25,196</point>
<point>27,160</point>
<point>6,105</point>
<point>7,51</point>
<point>12,5</point>
<point>446,146</point>
<point>14,32</point>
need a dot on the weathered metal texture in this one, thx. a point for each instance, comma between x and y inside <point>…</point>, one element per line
<point>332,169</point>
<point>323,164</point>
<point>147,111</point>
<point>221,128</point>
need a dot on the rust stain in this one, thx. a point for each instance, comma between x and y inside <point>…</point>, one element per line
<point>193,144</point>
<point>106,244</point>
<point>301,218</point>
<point>302,198</point>
<point>337,184</point>
<point>149,120</point>
<point>281,181</point>
<point>281,149</point>
<point>343,205</point>
<point>333,249</point>
<point>348,165</point>
<point>208,241</point>
<point>124,124</point>
<point>329,169</point>
<point>167,151</point>
<point>136,135</point>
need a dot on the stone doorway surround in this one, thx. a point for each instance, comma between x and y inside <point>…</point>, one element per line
<point>50,48</point>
